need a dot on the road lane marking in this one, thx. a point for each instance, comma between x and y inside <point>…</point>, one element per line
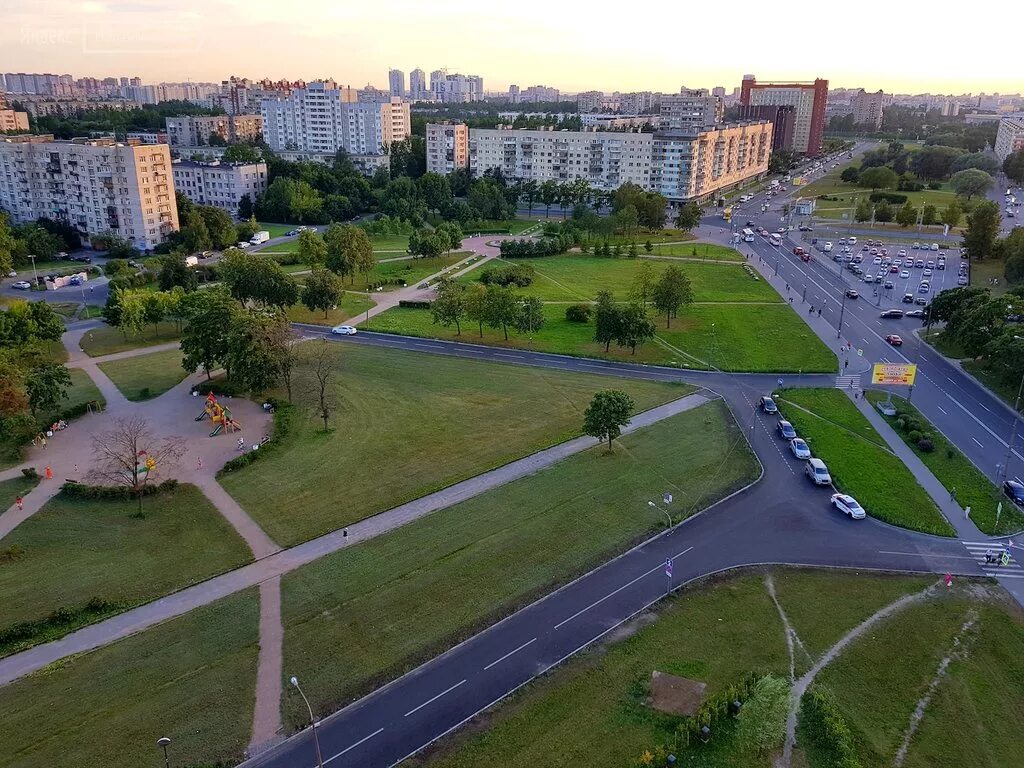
<point>431,701</point>
<point>944,412</point>
<point>517,650</point>
<point>926,554</point>
<point>978,442</point>
<point>353,746</point>
<point>615,592</point>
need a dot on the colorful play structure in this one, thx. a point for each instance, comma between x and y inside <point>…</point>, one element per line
<point>219,416</point>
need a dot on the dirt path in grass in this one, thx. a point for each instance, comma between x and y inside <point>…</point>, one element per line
<point>266,718</point>
<point>792,638</point>
<point>800,686</point>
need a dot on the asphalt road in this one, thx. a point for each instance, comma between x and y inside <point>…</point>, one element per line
<point>782,518</point>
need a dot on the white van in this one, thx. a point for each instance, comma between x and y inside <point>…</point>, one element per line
<point>852,240</point>
<point>818,472</point>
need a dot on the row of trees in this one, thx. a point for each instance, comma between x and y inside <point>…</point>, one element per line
<point>494,305</point>
<point>43,239</point>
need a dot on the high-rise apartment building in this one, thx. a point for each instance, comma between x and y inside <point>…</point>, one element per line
<point>691,108</point>
<point>418,85</point>
<point>538,93</point>
<point>32,84</point>
<point>220,184</point>
<point>321,119</point>
<point>514,94</point>
<point>455,88</point>
<point>1009,137</point>
<point>697,165</point>
<point>867,108</point>
<point>589,101</point>
<point>195,131</point>
<point>396,82</point>
<point>808,100</point>
<point>13,121</point>
<point>781,117</point>
<point>447,147</point>
<point>96,185</point>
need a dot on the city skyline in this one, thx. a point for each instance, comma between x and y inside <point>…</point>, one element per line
<point>159,41</point>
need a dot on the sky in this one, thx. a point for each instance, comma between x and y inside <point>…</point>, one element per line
<point>572,45</point>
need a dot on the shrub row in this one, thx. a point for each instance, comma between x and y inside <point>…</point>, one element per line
<point>115,492</point>
<point>220,387</point>
<point>284,416</point>
<point>414,303</point>
<point>28,633</point>
<point>822,724</point>
<point>888,197</point>
<point>519,275</point>
<point>917,431</point>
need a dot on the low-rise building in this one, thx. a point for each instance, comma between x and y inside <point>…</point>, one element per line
<point>220,184</point>
<point>1009,137</point>
<point>148,137</point>
<point>13,121</point>
<point>95,185</point>
<point>447,147</point>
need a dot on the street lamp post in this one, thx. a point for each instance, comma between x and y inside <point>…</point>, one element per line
<point>668,517</point>
<point>312,721</point>
<point>163,743</point>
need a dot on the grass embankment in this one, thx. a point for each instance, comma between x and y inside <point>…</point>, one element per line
<point>858,460</point>
<point>106,340</point>
<point>191,679</point>
<point>463,567</point>
<point>146,376</point>
<point>73,551</point>
<point>407,424</point>
<point>716,633</point>
<point>955,471</point>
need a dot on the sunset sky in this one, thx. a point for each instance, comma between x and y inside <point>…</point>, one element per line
<point>572,45</point>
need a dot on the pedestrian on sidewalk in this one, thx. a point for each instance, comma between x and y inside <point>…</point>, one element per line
<point>952,494</point>
<point>819,311</point>
<point>199,463</point>
<point>811,311</point>
<point>967,512</point>
<point>19,502</point>
<point>48,472</point>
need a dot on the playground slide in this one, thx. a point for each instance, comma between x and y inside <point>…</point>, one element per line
<point>202,415</point>
<point>217,430</point>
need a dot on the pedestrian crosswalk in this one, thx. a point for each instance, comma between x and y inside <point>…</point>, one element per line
<point>998,558</point>
<point>847,382</point>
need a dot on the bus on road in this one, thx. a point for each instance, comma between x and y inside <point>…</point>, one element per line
<point>775,239</point>
<point>748,235</point>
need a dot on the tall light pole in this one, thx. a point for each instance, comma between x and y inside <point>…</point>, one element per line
<point>164,742</point>
<point>312,721</point>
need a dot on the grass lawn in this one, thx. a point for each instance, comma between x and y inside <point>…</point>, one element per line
<point>276,230</point>
<point>81,391</point>
<point>409,270</point>
<point>715,632</point>
<point>74,550</point>
<point>655,236</point>
<point>146,376</point>
<point>191,679</point>
<point>701,251</point>
<point>983,271</point>
<point>745,337</point>
<point>954,470</point>
<point>580,277</point>
<point>351,304</point>
<point>12,489</point>
<point>840,436</point>
<point>90,311</point>
<point>407,424</point>
<point>380,243</point>
<point>535,532</point>
<point>106,340</point>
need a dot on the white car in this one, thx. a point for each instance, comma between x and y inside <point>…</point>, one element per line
<point>848,506</point>
<point>904,274</point>
<point>22,285</point>
<point>242,244</point>
<point>799,448</point>
<point>818,472</point>
<point>344,330</point>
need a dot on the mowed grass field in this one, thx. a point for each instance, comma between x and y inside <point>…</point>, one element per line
<point>74,550</point>
<point>191,679</point>
<point>351,305</point>
<point>410,593</point>
<point>407,424</point>
<point>716,632</point>
<point>696,251</point>
<point>106,340</point>
<point>858,460</point>
<point>146,376</point>
<point>386,245</point>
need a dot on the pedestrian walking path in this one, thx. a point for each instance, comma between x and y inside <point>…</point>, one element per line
<point>287,560</point>
<point>266,721</point>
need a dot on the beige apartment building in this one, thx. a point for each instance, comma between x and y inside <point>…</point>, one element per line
<point>447,147</point>
<point>698,165</point>
<point>195,131</point>
<point>867,108</point>
<point>220,184</point>
<point>96,185</point>
<point>1009,137</point>
<point>13,121</point>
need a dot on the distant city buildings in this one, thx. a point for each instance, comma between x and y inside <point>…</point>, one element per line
<point>41,106</point>
<point>220,184</point>
<point>808,100</point>
<point>689,165</point>
<point>1009,137</point>
<point>447,147</point>
<point>690,108</point>
<point>418,85</point>
<point>455,88</point>
<point>13,121</point>
<point>97,186</point>
<point>396,82</point>
<point>195,131</point>
<point>148,137</point>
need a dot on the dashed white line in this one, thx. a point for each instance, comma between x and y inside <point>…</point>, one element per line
<point>510,653</point>
<point>944,412</point>
<point>978,442</point>
<point>431,701</point>
<point>353,746</point>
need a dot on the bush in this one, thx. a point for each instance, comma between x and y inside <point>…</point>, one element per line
<point>888,197</point>
<point>27,633</point>
<point>30,473</point>
<point>12,553</point>
<point>914,435</point>
<point>220,387</point>
<point>578,313</point>
<point>823,727</point>
<point>925,445</point>
<point>519,275</point>
<point>909,185</point>
<point>75,490</point>
<point>934,185</point>
<point>284,414</point>
<point>414,303</point>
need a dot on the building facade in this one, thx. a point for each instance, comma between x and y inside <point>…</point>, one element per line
<point>699,165</point>
<point>447,147</point>
<point>781,116</point>
<point>321,118</point>
<point>418,85</point>
<point>455,88</point>
<point>691,108</point>
<point>396,82</point>
<point>96,185</point>
<point>195,131</point>
<point>148,137</point>
<point>220,184</point>
<point>808,100</point>
<point>42,106</point>
<point>1009,137</point>
<point>13,121</point>
<point>867,108</point>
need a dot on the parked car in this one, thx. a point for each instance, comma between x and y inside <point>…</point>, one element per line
<point>768,405</point>
<point>962,280</point>
<point>848,506</point>
<point>894,314</point>
<point>1015,491</point>
<point>786,430</point>
<point>799,448</point>
<point>894,340</point>
<point>914,313</point>
<point>904,274</point>
<point>921,301</point>
<point>818,472</point>
<point>22,285</point>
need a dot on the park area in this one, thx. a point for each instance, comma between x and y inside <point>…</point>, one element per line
<point>737,321</point>
<point>725,629</point>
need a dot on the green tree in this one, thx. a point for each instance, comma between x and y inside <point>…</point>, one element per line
<point>449,307</point>
<point>6,246</point>
<point>501,307</point>
<point>761,725</point>
<point>219,226</point>
<point>46,386</point>
<point>251,356</point>
<point>1011,250</point>
<point>933,162</point>
<point>241,153</point>
<point>672,291</point>
<point>878,178</point>
<point>634,327</point>
<point>154,307</point>
<point>883,212</point>
<point>253,278</point>
<point>173,271</point>
<point>1013,166</point>
<point>349,250</point>
<point>971,182</point>
<point>979,160</point>
<point>627,220</point>
<point>643,284</point>
<point>204,339</point>
<point>952,214</point>
<point>606,319</point>
<point>323,290</point>
<point>689,216</point>
<point>609,411</point>
<point>436,191</point>
<point>850,174</point>
<point>906,215</point>
<point>864,210</point>
<point>132,316</point>
<point>194,234</point>
<point>476,305</point>
<point>530,317</point>
<point>982,229</point>
<point>929,215</point>
<point>312,249</point>
<point>548,194</point>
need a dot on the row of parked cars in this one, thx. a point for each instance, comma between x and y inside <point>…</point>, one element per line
<point>815,468</point>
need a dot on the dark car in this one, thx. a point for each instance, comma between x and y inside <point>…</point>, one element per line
<point>892,313</point>
<point>1015,490</point>
<point>768,405</point>
<point>893,339</point>
<point>908,298</point>
<point>786,431</point>
<point>851,294</point>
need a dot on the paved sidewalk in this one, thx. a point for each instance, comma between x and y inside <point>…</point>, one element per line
<point>285,561</point>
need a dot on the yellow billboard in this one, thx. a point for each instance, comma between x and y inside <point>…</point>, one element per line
<point>894,373</point>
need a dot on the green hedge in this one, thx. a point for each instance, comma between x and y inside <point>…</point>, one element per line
<point>284,418</point>
<point>414,303</point>
<point>25,634</point>
<point>824,732</point>
<point>115,492</point>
